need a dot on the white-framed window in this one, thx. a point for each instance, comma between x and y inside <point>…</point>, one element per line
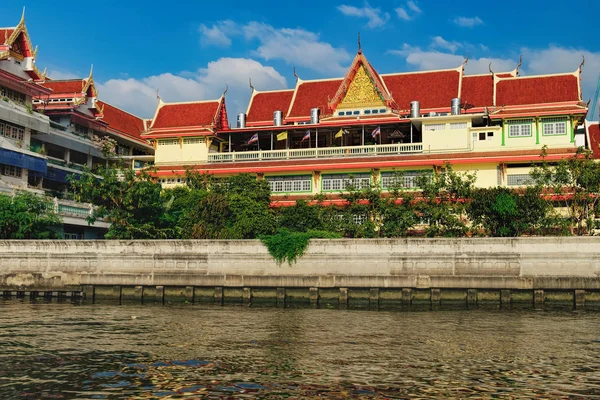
<point>289,184</point>
<point>481,136</point>
<point>13,95</point>
<point>168,142</point>
<point>458,125</point>
<point>519,127</point>
<point>10,131</point>
<point>408,178</point>
<point>193,140</point>
<point>434,127</point>
<point>342,181</point>
<point>10,170</point>
<point>554,126</point>
<point>359,219</point>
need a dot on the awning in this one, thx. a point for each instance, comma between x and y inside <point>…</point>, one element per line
<point>56,175</point>
<point>21,160</point>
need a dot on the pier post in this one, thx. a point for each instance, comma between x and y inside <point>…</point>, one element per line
<point>436,297</point>
<point>138,293</point>
<point>117,293</point>
<point>374,298</point>
<point>505,297</point>
<point>189,294</point>
<point>219,296</point>
<point>160,294</point>
<point>247,295</point>
<point>281,297</point>
<point>313,295</point>
<point>406,297</point>
<point>471,298</point>
<point>89,293</point>
<point>343,297</point>
<point>579,298</point>
<point>538,298</point>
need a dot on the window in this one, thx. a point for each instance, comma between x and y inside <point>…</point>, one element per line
<point>375,111</point>
<point>518,180</point>
<point>10,131</point>
<point>408,178</point>
<point>348,112</point>
<point>434,127</point>
<point>288,184</point>
<point>554,126</point>
<point>342,181</point>
<point>193,140</point>
<point>458,125</point>
<point>82,130</point>
<point>382,110</point>
<point>519,128</point>
<point>168,142</point>
<point>359,219</point>
<point>341,113</point>
<point>490,135</point>
<point>10,170</point>
<point>13,95</point>
<point>356,112</point>
<point>367,112</point>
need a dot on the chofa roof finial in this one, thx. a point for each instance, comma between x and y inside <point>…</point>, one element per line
<point>250,82</point>
<point>22,17</point>
<point>226,90</point>
<point>359,47</point>
<point>519,64</point>
<point>295,74</point>
<point>582,62</point>
<point>490,69</point>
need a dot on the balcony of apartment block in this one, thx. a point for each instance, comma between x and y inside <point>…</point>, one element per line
<point>74,213</point>
<point>23,115</point>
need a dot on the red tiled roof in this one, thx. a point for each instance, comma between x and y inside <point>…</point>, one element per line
<point>5,33</point>
<point>264,104</point>
<point>594,132</point>
<point>122,121</point>
<point>547,89</point>
<point>313,94</point>
<point>572,108</point>
<point>505,75</point>
<point>186,114</point>
<point>478,90</point>
<point>69,86</point>
<point>431,89</point>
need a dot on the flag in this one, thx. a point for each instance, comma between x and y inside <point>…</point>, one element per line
<point>376,131</point>
<point>339,134</point>
<point>306,136</point>
<point>282,135</point>
<point>253,139</point>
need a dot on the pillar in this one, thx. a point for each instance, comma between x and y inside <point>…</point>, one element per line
<point>117,293</point>
<point>219,296</point>
<point>374,297</point>
<point>138,293</point>
<point>505,297</point>
<point>281,297</point>
<point>247,295</point>
<point>472,297</point>
<point>160,294</point>
<point>343,297</point>
<point>313,295</point>
<point>406,296</point>
<point>189,294</point>
<point>538,298</point>
<point>579,297</point>
<point>436,297</point>
<point>89,293</point>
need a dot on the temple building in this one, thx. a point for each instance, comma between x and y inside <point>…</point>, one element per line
<point>365,126</point>
<point>48,130</point>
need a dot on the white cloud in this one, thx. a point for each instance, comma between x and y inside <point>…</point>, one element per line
<point>404,14</point>
<point>374,15</point>
<point>442,43</point>
<point>467,22</point>
<point>297,47</point>
<point>413,6</point>
<point>139,95</point>
<point>58,74</point>
<point>218,34</point>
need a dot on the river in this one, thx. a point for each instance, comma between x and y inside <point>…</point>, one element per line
<point>85,351</point>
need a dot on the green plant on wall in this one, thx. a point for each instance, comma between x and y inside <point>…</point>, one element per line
<point>287,246</point>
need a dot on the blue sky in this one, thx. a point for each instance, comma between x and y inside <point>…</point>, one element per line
<point>192,50</point>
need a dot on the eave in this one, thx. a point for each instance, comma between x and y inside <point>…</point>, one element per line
<point>31,88</point>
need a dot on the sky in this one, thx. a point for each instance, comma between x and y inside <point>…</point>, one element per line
<point>192,50</point>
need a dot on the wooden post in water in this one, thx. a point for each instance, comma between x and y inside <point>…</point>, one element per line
<point>538,298</point>
<point>374,298</point>
<point>505,298</point>
<point>117,293</point>
<point>160,294</point>
<point>579,299</point>
<point>343,297</point>
<point>436,297</point>
<point>189,294</point>
<point>406,297</point>
<point>219,296</point>
<point>247,295</point>
<point>281,297</point>
<point>472,298</point>
<point>313,296</point>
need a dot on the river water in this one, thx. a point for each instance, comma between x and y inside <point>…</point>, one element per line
<point>84,351</point>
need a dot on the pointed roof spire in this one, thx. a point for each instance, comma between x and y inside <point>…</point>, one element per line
<point>519,65</point>
<point>226,90</point>
<point>490,69</point>
<point>359,47</point>
<point>250,82</point>
<point>295,74</point>
<point>22,21</point>
<point>91,71</point>
<point>582,62</point>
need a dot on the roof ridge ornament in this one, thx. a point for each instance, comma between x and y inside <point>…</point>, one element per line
<point>582,63</point>
<point>359,47</point>
<point>519,65</point>
<point>250,82</point>
<point>490,69</point>
<point>295,74</point>
<point>466,60</point>
<point>22,21</point>
<point>226,90</point>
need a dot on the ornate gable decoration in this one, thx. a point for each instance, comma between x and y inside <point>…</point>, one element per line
<point>361,87</point>
<point>361,93</point>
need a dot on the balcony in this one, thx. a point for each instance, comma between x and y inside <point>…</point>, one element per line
<point>325,152</point>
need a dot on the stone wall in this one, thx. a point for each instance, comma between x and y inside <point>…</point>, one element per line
<point>478,263</point>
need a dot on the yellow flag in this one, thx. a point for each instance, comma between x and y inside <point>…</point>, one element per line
<point>339,134</point>
<point>282,135</point>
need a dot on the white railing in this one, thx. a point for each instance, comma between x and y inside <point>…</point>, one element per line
<point>324,152</point>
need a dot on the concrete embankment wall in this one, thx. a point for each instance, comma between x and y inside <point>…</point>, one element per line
<point>410,267</point>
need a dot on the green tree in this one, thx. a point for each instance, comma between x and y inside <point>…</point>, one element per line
<point>444,202</point>
<point>131,203</point>
<point>27,216</point>
<point>574,183</point>
<point>300,217</point>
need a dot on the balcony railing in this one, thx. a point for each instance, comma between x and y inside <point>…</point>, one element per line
<point>324,152</point>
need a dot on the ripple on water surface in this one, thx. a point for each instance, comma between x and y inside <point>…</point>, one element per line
<point>109,352</point>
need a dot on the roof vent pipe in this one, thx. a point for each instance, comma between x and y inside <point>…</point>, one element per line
<point>277,118</point>
<point>241,120</point>
<point>456,106</point>
<point>415,109</point>
<point>314,115</point>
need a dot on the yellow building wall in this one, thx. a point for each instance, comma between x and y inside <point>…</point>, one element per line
<point>438,135</point>
<point>176,151</point>
<point>486,173</point>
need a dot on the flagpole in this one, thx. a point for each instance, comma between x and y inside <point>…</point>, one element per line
<point>363,136</point>
<point>316,138</point>
<point>271,140</point>
<point>230,143</point>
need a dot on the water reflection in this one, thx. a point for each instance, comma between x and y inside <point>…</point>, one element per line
<point>132,352</point>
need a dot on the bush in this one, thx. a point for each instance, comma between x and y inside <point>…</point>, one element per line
<point>289,246</point>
